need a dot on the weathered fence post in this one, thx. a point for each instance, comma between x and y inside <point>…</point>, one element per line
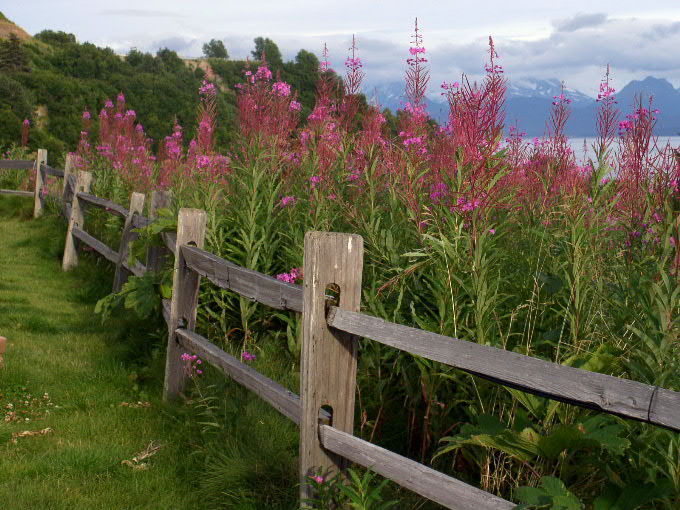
<point>40,162</point>
<point>66,197</point>
<point>77,219</point>
<point>329,357</point>
<point>190,230</point>
<point>156,255</point>
<point>68,170</point>
<point>136,207</point>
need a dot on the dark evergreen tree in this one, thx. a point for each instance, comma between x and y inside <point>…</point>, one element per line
<point>215,49</point>
<point>13,56</point>
<point>271,51</point>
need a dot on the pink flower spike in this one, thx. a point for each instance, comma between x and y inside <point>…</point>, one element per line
<point>318,479</point>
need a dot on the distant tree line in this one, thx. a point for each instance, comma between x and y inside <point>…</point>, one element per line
<point>65,77</point>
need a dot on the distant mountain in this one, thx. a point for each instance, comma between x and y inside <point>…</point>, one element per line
<point>528,105</point>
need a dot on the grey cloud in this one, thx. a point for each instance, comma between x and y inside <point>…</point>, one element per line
<point>139,13</point>
<point>178,44</point>
<point>578,57</point>
<point>580,21</point>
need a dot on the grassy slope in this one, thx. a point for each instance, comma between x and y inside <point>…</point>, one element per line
<point>57,346</point>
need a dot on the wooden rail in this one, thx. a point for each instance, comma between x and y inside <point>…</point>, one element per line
<point>53,171</point>
<point>41,169</point>
<point>330,332</point>
<point>16,164</point>
<point>95,244</point>
<point>612,395</point>
<point>412,475</point>
<point>245,282</point>
<point>102,203</point>
<point>281,399</point>
<point>16,192</point>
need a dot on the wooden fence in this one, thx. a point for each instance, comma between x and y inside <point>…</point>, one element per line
<point>329,345</point>
<point>41,170</point>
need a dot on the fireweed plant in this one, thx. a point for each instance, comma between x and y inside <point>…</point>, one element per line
<point>470,231</point>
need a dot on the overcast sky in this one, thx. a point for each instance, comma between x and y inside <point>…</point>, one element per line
<point>534,38</point>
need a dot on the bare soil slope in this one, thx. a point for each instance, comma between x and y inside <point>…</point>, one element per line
<point>8,27</point>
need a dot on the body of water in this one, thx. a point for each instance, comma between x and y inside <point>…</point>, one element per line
<point>581,154</point>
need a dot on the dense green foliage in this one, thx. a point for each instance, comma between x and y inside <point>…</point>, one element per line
<point>215,49</point>
<point>52,79</point>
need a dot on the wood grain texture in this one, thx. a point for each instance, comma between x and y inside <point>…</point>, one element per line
<point>250,284</point>
<point>69,167</point>
<point>166,304</point>
<point>127,236</point>
<point>156,256</point>
<point>138,269</point>
<point>105,204</point>
<point>435,486</point>
<point>16,164</point>
<point>621,397</point>
<point>140,221</point>
<point>17,192</point>
<point>170,240</point>
<point>53,171</point>
<point>76,219</point>
<point>280,398</point>
<point>96,244</point>
<point>329,357</point>
<point>190,230</point>
<point>39,201</point>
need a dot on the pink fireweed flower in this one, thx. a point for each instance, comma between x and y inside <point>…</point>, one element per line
<point>295,106</point>
<point>26,122</point>
<point>207,89</point>
<point>191,363</point>
<point>281,88</point>
<point>247,356</point>
<point>318,479</point>
<point>325,63</point>
<point>108,104</point>
<point>294,275</point>
<point>263,72</point>
<point>86,115</point>
<point>287,200</point>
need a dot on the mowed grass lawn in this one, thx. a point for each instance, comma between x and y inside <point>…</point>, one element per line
<point>66,442</point>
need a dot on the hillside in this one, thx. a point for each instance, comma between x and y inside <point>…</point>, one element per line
<point>65,77</point>
<point>8,27</point>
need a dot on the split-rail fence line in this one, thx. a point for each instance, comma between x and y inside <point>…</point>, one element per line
<point>332,261</point>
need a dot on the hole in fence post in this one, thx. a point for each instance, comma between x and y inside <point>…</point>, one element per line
<point>332,293</point>
<point>326,415</point>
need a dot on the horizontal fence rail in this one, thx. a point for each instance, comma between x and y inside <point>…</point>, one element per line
<point>17,192</point>
<point>102,203</point>
<point>612,395</point>
<point>16,164</point>
<point>53,171</point>
<point>95,244</point>
<point>410,474</point>
<point>280,398</point>
<point>250,284</point>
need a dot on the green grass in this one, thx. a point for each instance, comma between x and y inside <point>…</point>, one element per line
<point>66,372</point>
